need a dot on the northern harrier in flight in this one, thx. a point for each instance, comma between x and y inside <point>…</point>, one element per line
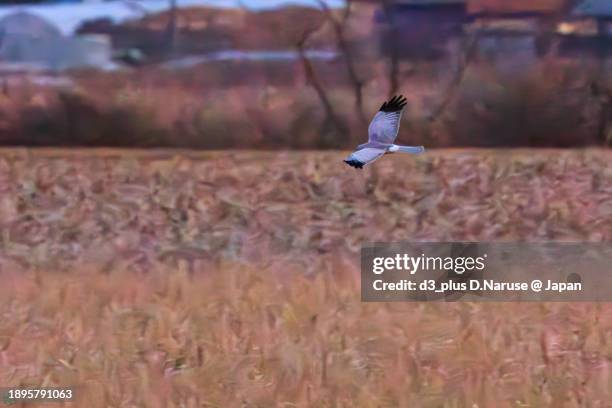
<point>381,135</point>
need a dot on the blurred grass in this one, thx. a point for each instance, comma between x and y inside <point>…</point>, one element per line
<point>222,279</point>
<point>242,336</point>
<point>131,208</point>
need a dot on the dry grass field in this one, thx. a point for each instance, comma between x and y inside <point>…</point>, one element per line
<point>231,279</point>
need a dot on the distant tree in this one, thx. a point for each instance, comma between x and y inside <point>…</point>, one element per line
<point>339,25</point>
<point>172,26</point>
<point>603,95</point>
<point>314,81</point>
<point>394,46</point>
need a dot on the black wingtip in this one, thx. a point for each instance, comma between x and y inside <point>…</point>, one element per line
<point>354,163</point>
<point>394,104</point>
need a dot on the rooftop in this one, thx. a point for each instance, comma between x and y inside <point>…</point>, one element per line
<point>515,6</point>
<point>418,2</point>
<point>594,8</point>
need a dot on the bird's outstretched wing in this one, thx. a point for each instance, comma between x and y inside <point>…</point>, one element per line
<point>360,158</point>
<point>385,125</point>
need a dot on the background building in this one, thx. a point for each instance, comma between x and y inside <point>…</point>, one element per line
<point>31,42</point>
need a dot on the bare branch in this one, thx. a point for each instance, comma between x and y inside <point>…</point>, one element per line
<point>339,27</point>
<point>314,81</point>
<point>394,66</point>
<point>449,94</point>
<point>172,26</point>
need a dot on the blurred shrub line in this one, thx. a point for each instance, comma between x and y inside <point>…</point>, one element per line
<point>547,106</point>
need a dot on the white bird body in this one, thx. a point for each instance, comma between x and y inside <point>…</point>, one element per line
<point>382,132</point>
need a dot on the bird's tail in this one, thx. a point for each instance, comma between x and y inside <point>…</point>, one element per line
<point>411,149</point>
